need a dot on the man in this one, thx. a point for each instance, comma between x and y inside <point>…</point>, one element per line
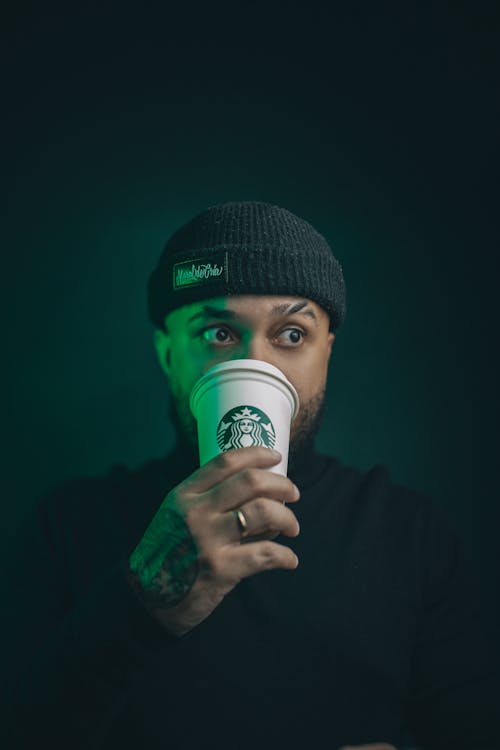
<point>147,622</point>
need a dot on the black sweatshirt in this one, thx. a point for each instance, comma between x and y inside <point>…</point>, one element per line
<point>379,635</point>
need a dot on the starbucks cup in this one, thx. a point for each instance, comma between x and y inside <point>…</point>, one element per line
<point>241,403</point>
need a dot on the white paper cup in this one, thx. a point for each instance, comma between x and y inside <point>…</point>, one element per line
<point>241,403</point>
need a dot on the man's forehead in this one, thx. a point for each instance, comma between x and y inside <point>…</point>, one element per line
<point>270,304</point>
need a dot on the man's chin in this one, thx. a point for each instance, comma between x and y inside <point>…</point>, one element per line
<point>299,454</point>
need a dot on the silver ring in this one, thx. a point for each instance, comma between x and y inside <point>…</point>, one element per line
<point>242,523</point>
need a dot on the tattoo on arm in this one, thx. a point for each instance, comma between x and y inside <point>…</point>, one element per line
<point>164,566</point>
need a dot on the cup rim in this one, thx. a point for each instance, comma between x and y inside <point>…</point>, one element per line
<point>247,364</point>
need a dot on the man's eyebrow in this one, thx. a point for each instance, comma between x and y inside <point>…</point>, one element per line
<point>227,314</point>
<point>214,312</point>
<point>287,309</point>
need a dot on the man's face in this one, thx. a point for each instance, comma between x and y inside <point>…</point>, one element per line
<point>272,329</point>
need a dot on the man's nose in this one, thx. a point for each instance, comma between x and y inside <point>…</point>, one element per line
<point>255,348</point>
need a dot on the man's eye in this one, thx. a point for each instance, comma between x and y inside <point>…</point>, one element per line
<point>296,335</point>
<point>215,335</point>
<point>222,335</point>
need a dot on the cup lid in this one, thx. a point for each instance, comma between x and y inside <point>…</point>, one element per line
<point>257,365</point>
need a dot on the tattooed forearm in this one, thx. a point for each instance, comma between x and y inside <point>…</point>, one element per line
<point>164,566</point>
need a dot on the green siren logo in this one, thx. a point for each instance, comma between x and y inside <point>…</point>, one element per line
<point>243,427</point>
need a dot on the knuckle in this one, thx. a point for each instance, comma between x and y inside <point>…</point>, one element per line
<point>225,459</point>
<point>252,479</point>
<point>259,505</point>
<point>177,499</point>
<point>264,511</point>
<point>269,555</point>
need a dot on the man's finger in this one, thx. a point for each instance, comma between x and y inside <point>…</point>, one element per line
<point>262,516</point>
<point>248,485</point>
<point>226,464</point>
<point>248,559</point>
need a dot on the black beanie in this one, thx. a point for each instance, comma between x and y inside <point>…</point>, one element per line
<point>243,248</point>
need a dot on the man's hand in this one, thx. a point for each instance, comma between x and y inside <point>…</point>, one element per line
<point>191,555</point>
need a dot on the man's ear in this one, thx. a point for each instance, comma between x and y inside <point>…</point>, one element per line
<point>163,346</point>
<point>331,339</point>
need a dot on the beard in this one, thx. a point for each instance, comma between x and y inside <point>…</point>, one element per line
<point>303,433</point>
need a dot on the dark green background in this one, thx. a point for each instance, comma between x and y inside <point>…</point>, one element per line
<point>377,124</point>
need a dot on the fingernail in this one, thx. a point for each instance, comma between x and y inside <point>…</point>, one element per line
<point>276,453</point>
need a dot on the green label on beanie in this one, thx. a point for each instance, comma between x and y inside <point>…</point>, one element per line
<point>200,271</point>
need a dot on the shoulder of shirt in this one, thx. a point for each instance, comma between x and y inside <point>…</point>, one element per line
<point>378,486</point>
<point>118,485</point>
